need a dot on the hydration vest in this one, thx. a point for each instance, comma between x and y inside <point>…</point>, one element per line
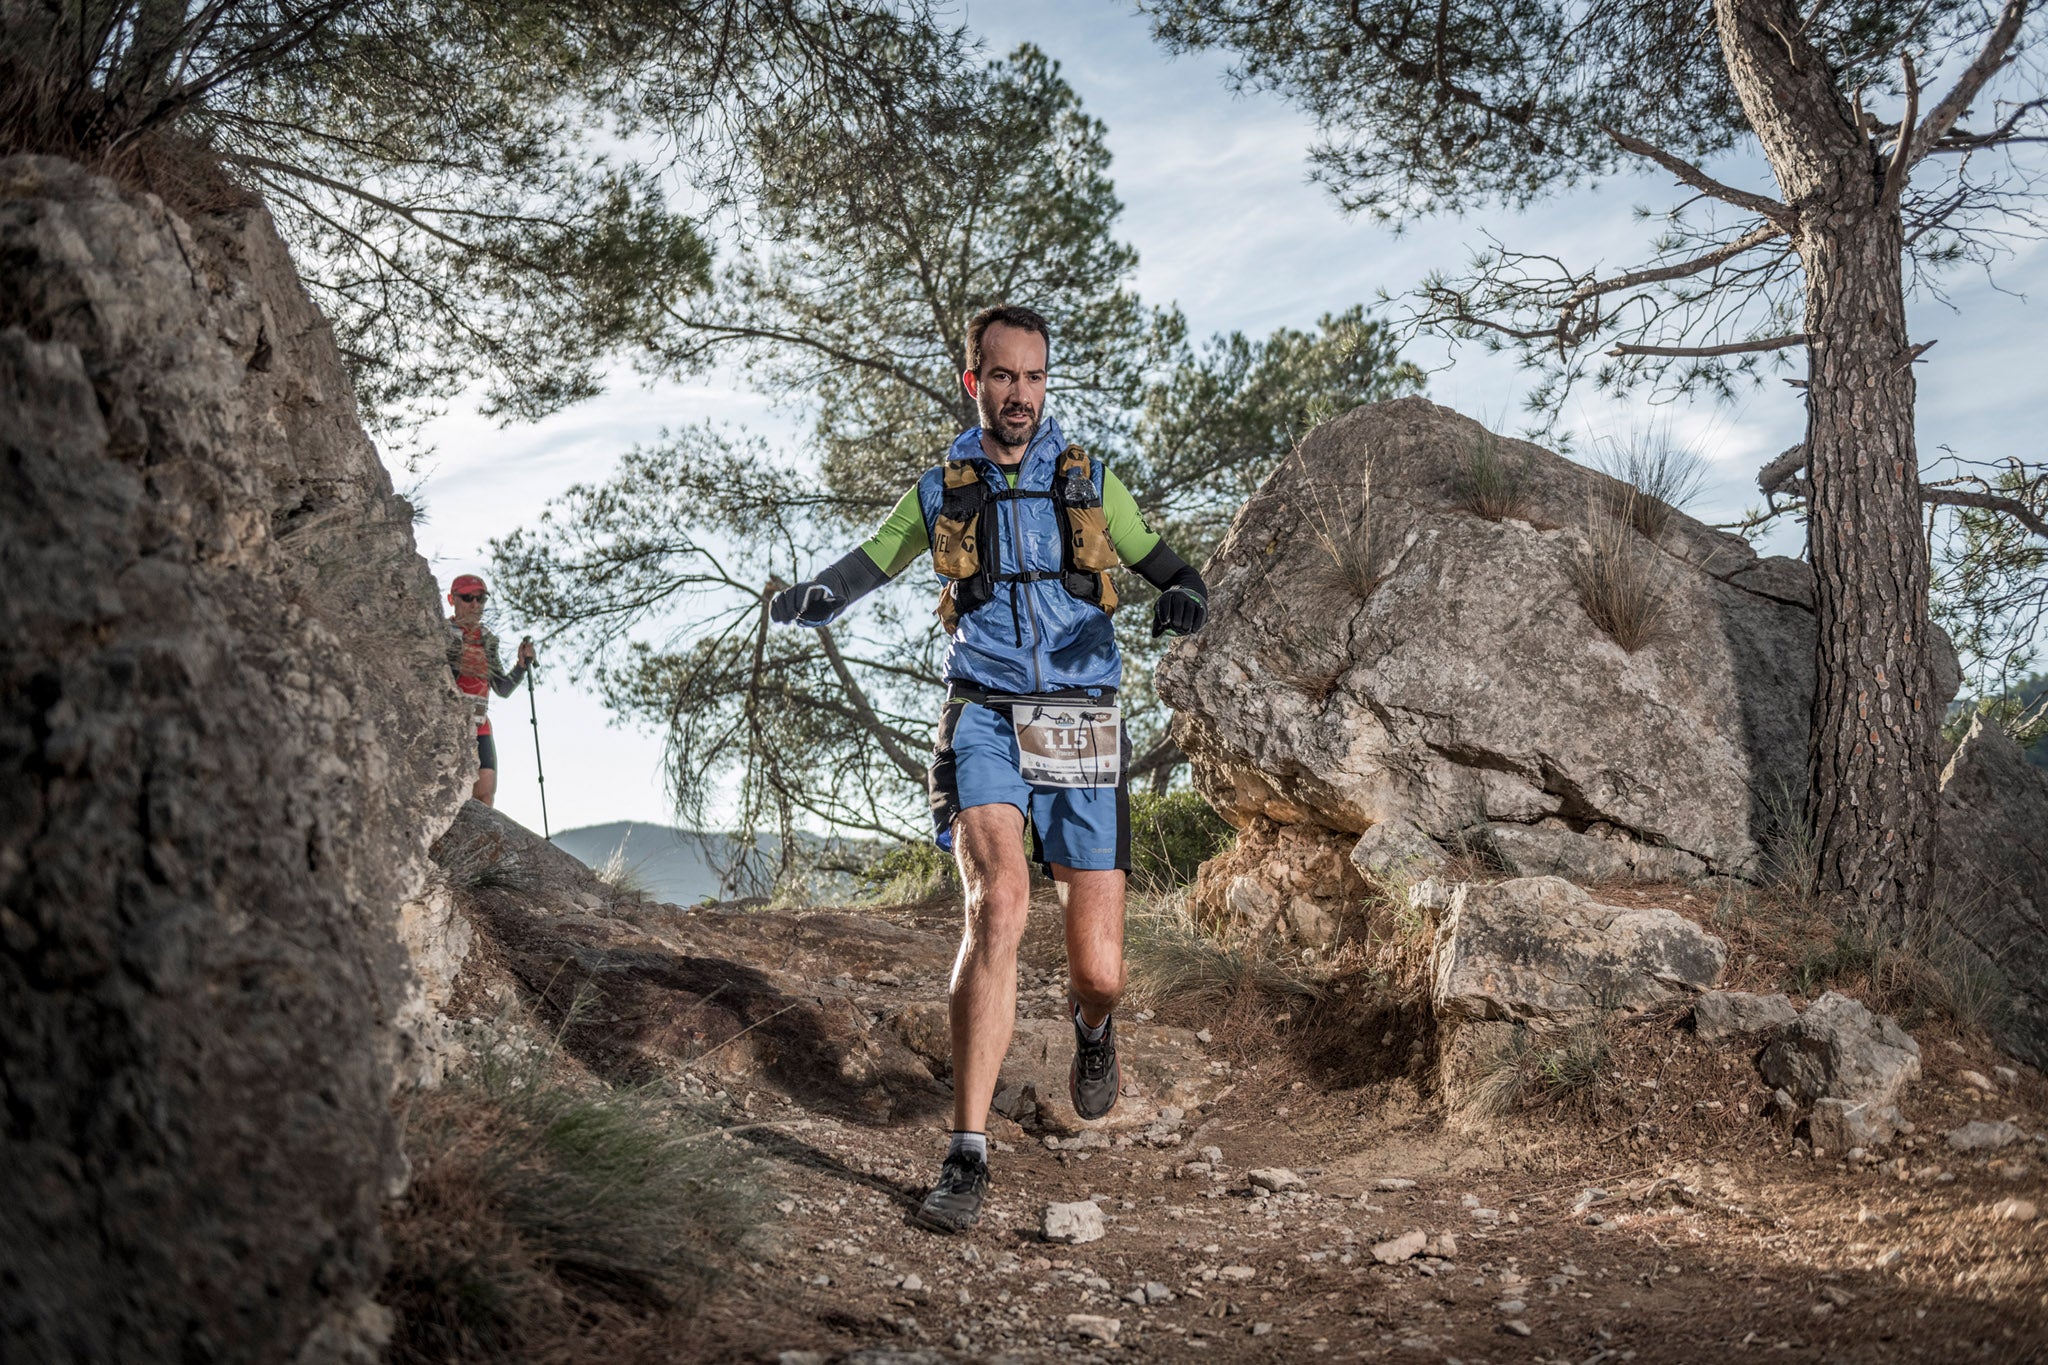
<point>1024,596</point>
<point>971,560</point>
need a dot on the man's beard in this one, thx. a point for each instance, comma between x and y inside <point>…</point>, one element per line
<point>1023,419</point>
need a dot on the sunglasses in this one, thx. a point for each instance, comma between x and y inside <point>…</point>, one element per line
<point>469,597</point>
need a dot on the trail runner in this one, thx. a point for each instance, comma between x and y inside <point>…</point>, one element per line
<point>1022,528</point>
<point>474,660</point>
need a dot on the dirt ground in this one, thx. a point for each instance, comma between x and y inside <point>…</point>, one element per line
<point>1664,1218</point>
<point>1662,1214</point>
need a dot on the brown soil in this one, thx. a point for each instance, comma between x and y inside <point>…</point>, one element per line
<point>1714,1236</point>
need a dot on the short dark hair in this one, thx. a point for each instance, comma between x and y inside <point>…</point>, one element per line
<point>1010,315</point>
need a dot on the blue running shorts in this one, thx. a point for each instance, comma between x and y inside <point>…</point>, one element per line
<point>974,763</point>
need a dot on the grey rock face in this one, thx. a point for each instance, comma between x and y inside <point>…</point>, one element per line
<point>1840,1050</point>
<point>1469,687</point>
<point>1991,868</point>
<point>1539,949</point>
<point>1733,1016</point>
<point>226,739</point>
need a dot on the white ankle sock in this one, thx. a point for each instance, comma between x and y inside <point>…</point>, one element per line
<point>1094,1034</point>
<point>976,1143</point>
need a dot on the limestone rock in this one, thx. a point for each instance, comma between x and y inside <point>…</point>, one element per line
<point>1540,949</point>
<point>1469,686</point>
<point>228,737</point>
<point>1075,1223</point>
<point>1730,1016</point>
<point>1396,845</point>
<point>1982,1135</point>
<point>1296,882</point>
<point>1839,1050</point>
<point>1555,849</point>
<point>1278,1180</point>
<point>1838,1125</point>
<point>1395,1250</point>
<point>1991,874</point>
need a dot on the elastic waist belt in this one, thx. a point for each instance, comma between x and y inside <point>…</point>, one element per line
<point>958,692</point>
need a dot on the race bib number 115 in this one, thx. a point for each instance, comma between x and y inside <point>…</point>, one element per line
<point>1068,746</point>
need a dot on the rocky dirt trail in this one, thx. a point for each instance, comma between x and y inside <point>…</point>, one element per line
<point>1254,1203</point>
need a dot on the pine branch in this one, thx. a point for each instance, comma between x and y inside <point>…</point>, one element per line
<point>1727,348</point>
<point>1760,204</point>
<point>1996,52</point>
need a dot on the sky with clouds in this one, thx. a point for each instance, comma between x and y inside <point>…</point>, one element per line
<point>1219,207</point>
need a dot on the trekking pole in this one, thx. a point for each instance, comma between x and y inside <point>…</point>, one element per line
<point>533,717</point>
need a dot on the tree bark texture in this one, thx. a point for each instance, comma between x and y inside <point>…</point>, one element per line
<point>1873,746</point>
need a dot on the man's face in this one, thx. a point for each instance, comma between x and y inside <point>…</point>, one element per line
<point>1010,390</point>
<point>468,604</point>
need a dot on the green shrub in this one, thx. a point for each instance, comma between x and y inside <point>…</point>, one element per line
<point>1171,836</point>
<point>907,874</point>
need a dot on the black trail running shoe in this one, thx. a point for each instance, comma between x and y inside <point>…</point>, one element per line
<point>1094,1078</point>
<point>954,1204</point>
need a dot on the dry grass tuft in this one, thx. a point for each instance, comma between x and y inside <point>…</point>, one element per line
<point>1618,577</point>
<point>1490,485</point>
<point>1341,523</point>
<point>549,1217</point>
<point>1656,477</point>
<point>622,876</point>
<point>1534,1071</point>
<point>1175,961</point>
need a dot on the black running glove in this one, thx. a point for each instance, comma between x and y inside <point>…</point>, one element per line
<point>1183,598</point>
<point>1179,611</point>
<point>818,601</point>
<point>809,603</point>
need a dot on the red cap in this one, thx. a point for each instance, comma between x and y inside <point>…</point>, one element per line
<point>468,582</point>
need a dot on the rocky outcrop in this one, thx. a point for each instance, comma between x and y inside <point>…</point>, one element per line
<point>226,739</point>
<point>1991,869</point>
<point>1294,883</point>
<point>1378,652</point>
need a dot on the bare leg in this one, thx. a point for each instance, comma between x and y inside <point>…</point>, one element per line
<point>1094,907</point>
<point>988,842</point>
<point>486,789</point>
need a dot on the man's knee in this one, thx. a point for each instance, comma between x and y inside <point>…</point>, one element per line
<point>1098,983</point>
<point>996,915</point>
<point>486,785</point>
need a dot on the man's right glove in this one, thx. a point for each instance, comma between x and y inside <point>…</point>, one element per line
<point>1179,611</point>
<point>810,603</point>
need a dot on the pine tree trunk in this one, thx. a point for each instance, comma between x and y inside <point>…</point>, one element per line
<point>1872,751</point>
<point>1871,757</point>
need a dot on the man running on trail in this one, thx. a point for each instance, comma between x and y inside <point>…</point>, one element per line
<point>474,660</point>
<point>1022,528</point>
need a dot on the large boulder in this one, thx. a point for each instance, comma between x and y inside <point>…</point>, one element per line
<point>226,739</point>
<point>1377,651</point>
<point>1991,871</point>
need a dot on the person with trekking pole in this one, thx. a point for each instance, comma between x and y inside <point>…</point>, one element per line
<point>1022,528</point>
<point>474,659</point>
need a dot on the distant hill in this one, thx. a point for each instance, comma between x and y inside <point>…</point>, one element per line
<point>683,866</point>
